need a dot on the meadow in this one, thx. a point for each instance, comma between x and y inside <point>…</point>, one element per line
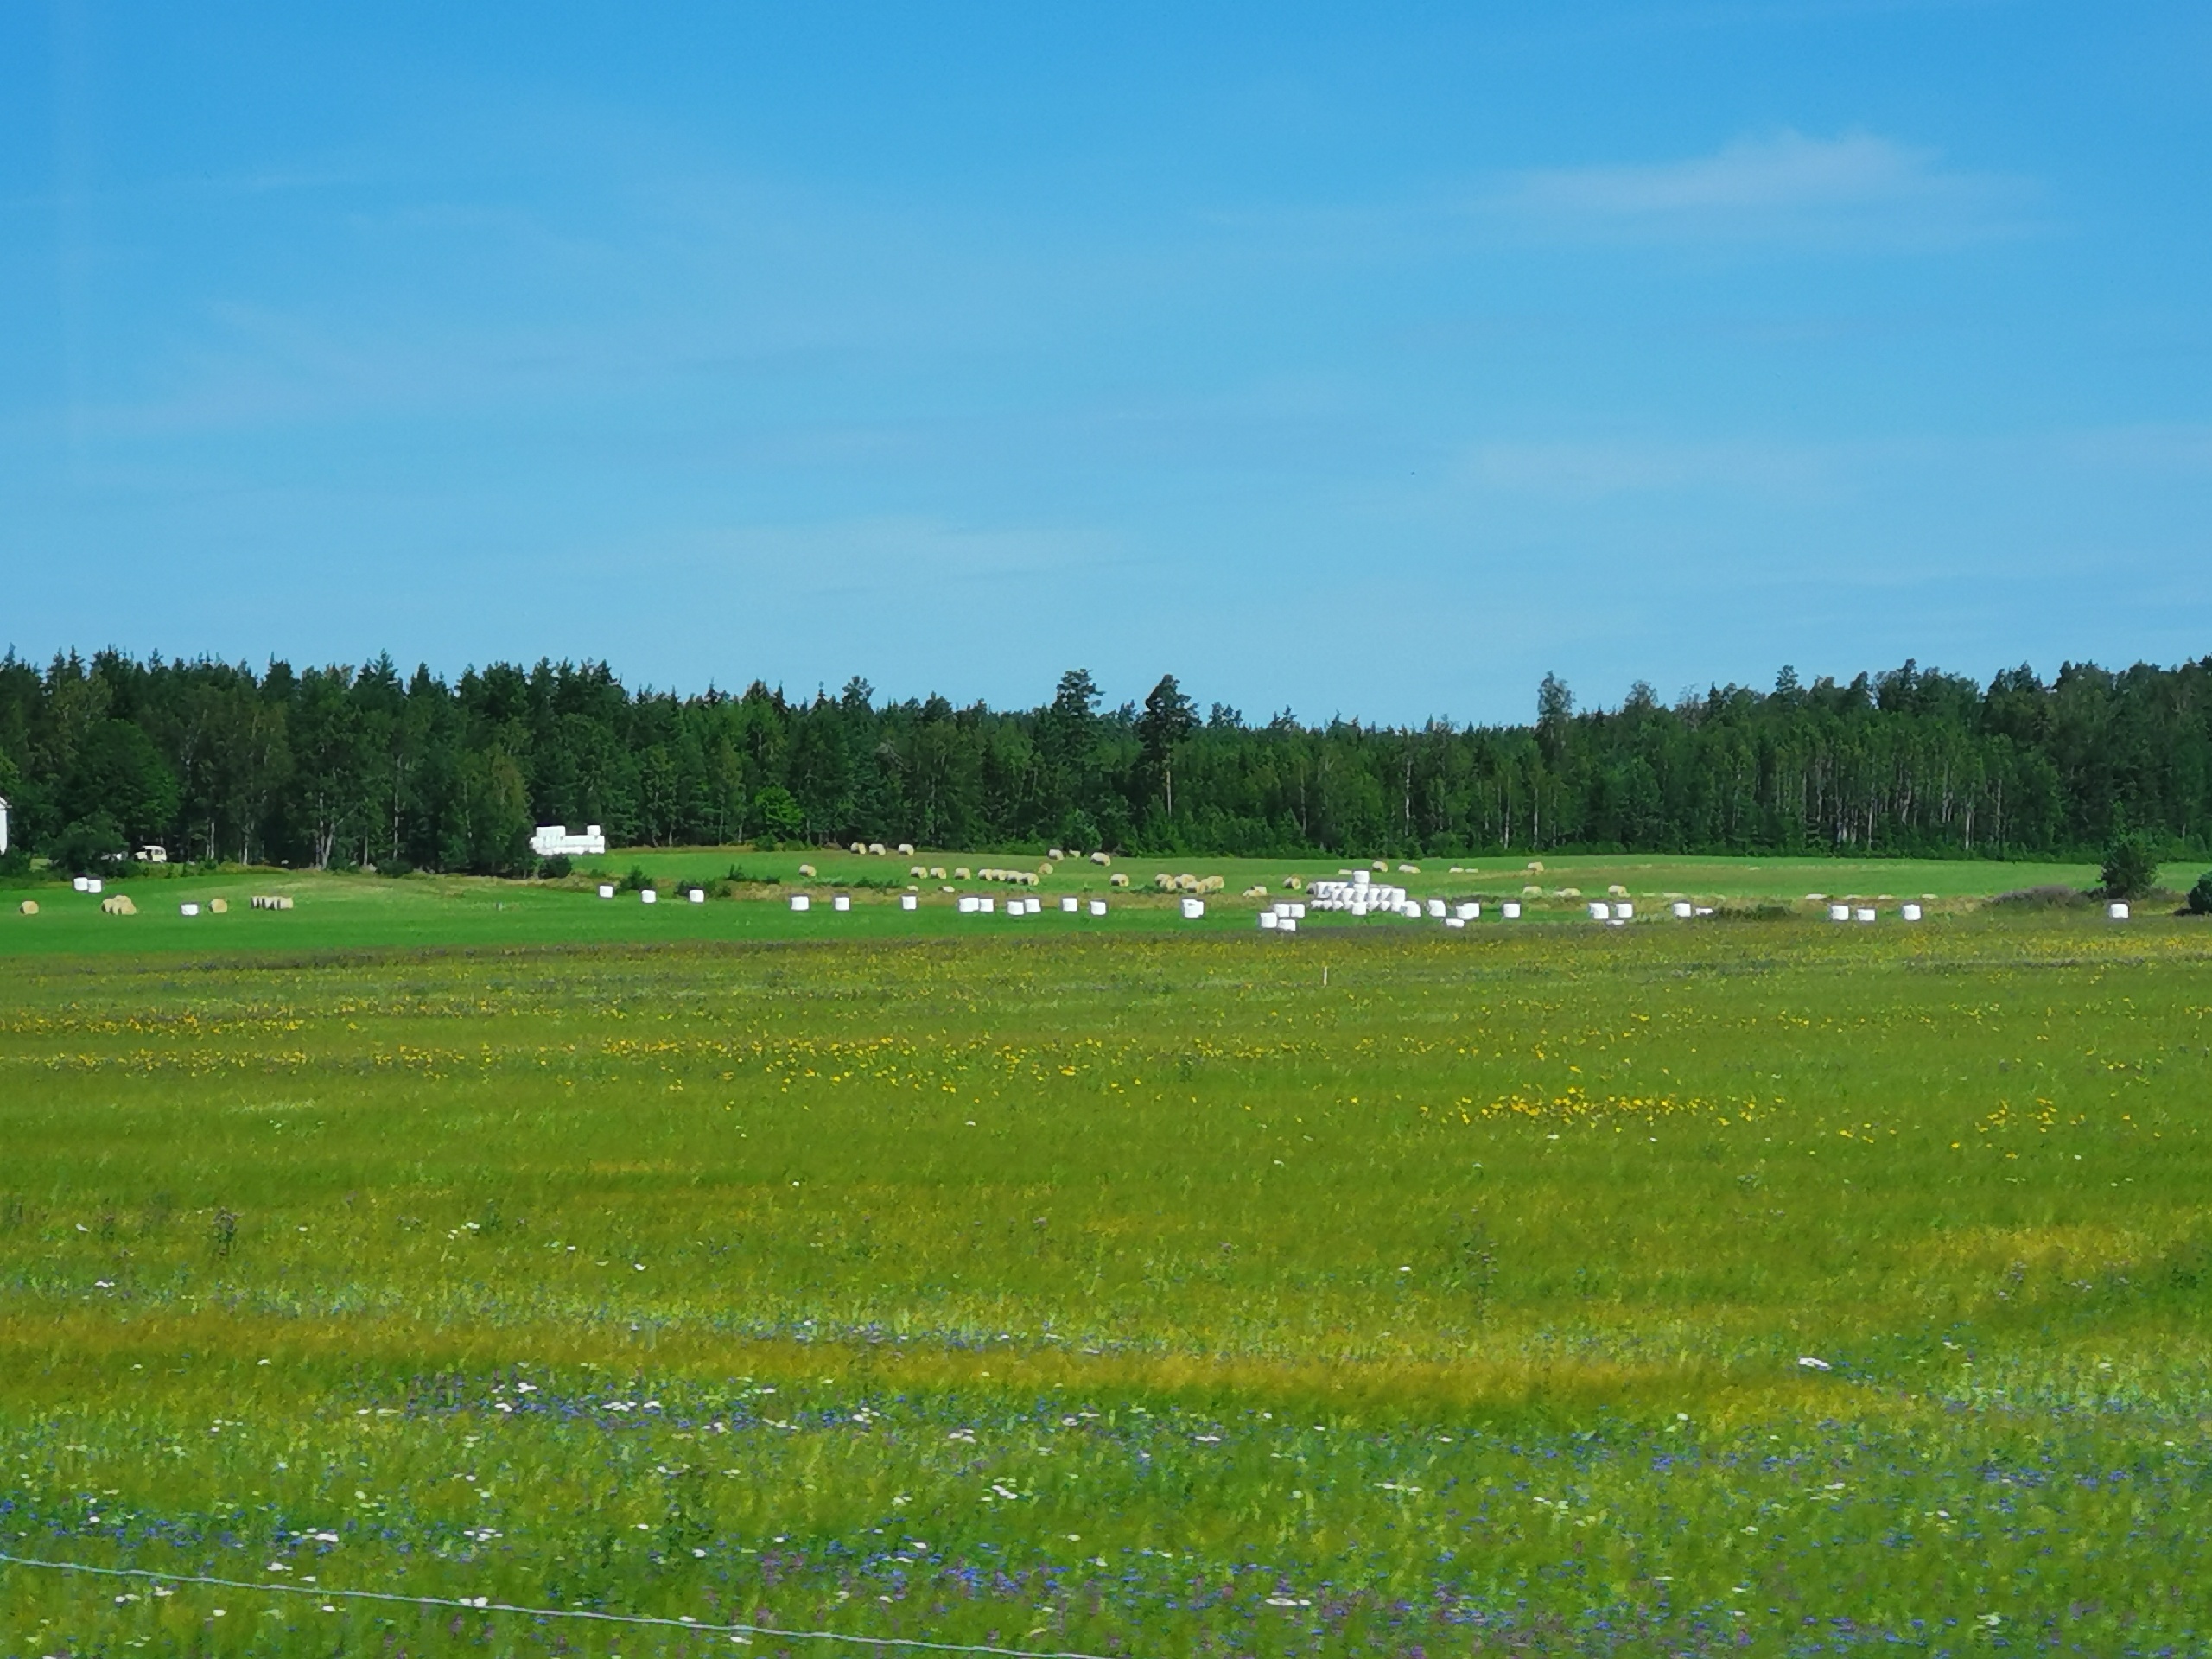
<point>1750,1287</point>
<point>435,913</point>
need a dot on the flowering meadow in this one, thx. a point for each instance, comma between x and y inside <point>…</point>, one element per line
<point>1749,1288</point>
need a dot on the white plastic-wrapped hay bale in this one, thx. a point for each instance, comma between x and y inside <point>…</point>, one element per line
<point>1838,912</point>
<point>1909,913</point>
<point>1098,906</point>
<point>1436,907</point>
<point>1455,921</point>
<point>92,884</point>
<point>1681,910</point>
<point>1863,913</point>
<point>1600,912</point>
<point>985,906</point>
<point>1358,908</point>
<point>968,904</point>
<point>1269,921</point>
<point>2116,910</point>
<point>696,895</point>
<point>1192,909</point>
<point>606,891</point>
<point>187,908</point>
<point>909,901</point>
<point>1410,910</point>
<point>1289,924</point>
<point>649,897</point>
<point>1510,910</point>
<point>1035,907</point>
<point>1071,906</point>
<point>801,902</point>
<point>1624,911</point>
<point>841,901</point>
<point>1361,877</point>
<point>81,883</point>
<point>1705,910</point>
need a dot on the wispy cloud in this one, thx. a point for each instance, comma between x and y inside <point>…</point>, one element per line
<point>1582,470</point>
<point>1857,187</point>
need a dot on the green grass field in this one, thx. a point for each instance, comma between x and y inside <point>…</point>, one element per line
<point>350,911</point>
<point>1772,1288</point>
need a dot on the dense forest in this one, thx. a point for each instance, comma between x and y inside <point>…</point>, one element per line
<point>340,767</point>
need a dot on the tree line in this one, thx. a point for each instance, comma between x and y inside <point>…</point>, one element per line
<point>340,767</point>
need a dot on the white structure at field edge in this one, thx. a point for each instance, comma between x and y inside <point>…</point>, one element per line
<point>554,841</point>
<point>4,823</point>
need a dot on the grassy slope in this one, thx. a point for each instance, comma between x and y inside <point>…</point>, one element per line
<point>1136,1290</point>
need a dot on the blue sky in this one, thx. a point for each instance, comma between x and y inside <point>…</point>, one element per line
<point>1360,359</point>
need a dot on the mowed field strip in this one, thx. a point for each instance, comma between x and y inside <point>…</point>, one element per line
<point>446,912</point>
<point>1768,1287</point>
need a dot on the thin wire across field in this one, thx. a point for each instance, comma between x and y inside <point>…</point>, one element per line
<point>485,1606</point>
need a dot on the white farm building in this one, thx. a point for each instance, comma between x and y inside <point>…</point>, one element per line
<point>554,841</point>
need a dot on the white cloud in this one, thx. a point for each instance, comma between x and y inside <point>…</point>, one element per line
<point>1785,186</point>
